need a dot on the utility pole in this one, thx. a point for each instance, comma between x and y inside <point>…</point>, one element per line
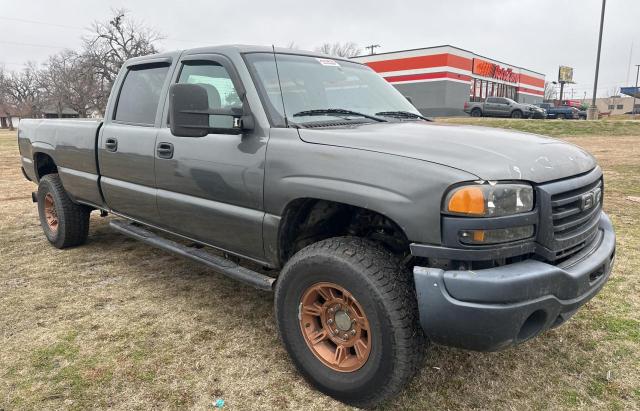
<point>633,108</point>
<point>592,112</point>
<point>371,48</point>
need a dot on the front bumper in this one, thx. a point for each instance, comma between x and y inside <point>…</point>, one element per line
<point>494,308</point>
<point>539,114</point>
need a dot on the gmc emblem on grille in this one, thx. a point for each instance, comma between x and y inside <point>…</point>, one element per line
<point>591,199</point>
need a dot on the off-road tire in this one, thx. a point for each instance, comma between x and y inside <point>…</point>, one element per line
<point>516,114</point>
<point>384,289</point>
<point>476,112</point>
<point>72,219</point>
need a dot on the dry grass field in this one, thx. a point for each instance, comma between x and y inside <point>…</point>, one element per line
<point>117,324</point>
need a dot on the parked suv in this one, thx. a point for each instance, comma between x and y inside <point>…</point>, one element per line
<point>502,107</point>
<point>384,231</point>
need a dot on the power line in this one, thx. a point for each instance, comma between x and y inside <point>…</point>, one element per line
<point>10,63</point>
<point>44,23</point>
<point>15,43</point>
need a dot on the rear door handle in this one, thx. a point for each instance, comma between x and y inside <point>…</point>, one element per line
<point>111,144</point>
<point>165,150</point>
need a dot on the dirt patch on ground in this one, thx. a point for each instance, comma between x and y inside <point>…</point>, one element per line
<point>117,324</point>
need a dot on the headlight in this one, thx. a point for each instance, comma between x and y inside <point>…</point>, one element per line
<point>489,199</point>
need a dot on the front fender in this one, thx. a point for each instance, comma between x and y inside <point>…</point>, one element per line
<point>407,191</point>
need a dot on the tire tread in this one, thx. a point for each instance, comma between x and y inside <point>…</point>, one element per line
<point>397,294</point>
<point>73,219</point>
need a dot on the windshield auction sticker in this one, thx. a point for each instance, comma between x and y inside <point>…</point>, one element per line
<point>328,62</point>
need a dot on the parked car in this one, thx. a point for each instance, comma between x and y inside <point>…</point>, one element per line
<point>502,107</point>
<point>538,113</point>
<point>561,112</point>
<point>387,230</point>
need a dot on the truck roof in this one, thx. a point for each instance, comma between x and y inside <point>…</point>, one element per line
<point>232,49</point>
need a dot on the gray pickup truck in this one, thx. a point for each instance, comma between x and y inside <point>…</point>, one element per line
<point>503,107</point>
<point>387,230</point>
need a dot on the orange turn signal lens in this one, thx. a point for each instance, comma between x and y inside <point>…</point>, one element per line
<point>478,236</point>
<point>467,200</point>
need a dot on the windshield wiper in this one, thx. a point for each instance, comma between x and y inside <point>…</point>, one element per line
<point>338,112</point>
<point>402,114</point>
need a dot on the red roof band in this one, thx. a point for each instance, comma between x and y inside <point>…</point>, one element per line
<point>488,69</point>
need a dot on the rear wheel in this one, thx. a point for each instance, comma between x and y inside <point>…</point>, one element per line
<point>347,314</point>
<point>65,223</point>
<point>476,112</point>
<point>516,114</point>
<point>561,116</point>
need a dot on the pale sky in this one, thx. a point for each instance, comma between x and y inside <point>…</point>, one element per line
<point>536,34</point>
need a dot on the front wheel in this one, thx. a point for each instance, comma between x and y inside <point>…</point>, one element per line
<point>347,314</point>
<point>516,114</point>
<point>561,116</point>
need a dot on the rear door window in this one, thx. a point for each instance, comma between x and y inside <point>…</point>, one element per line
<point>140,95</point>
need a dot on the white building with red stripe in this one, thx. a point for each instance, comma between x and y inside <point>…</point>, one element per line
<point>439,80</point>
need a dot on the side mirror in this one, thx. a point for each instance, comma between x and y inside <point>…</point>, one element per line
<point>191,116</point>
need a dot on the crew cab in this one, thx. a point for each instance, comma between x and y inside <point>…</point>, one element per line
<point>502,107</point>
<point>383,230</point>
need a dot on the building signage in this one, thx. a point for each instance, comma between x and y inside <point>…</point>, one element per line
<point>486,69</point>
<point>565,74</point>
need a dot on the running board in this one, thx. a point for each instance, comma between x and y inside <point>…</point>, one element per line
<point>220,264</point>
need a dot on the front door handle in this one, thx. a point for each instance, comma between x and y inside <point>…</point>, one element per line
<point>165,150</point>
<point>111,144</point>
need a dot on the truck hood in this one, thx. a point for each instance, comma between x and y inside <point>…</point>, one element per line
<point>488,153</point>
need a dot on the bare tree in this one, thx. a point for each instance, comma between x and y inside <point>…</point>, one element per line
<point>23,91</point>
<point>70,80</point>
<point>549,91</point>
<point>5,107</point>
<point>348,49</point>
<point>112,43</point>
<point>614,91</point>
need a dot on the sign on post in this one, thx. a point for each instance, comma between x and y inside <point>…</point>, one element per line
<point>565,74</point>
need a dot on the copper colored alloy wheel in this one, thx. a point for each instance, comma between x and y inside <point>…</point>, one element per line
<point>335,327</point>
<point>50,212</point>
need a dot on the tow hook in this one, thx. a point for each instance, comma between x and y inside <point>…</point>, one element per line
<point>34,197</point>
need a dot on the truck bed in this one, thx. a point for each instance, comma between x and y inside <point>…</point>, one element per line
<point>71,143</point>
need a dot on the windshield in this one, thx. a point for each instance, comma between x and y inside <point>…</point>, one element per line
<point>310,83</point>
